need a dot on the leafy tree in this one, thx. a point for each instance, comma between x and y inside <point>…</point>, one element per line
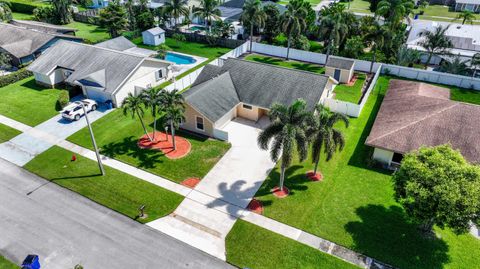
<point>178,38</point>
<point>134,105</point>
<point>466,16</point>
<point>113,17</point>
<point>177,8</point>
<point>324,135</point>
<point>373,5</point>
<point>435,41</point>
<point>5,60</point>
<point>130,8</point>
<point>334,23</point>
<point>62,11</point>
<point>287,130</point>
<point>353,47</point>
<point>376,40</point>
<point>294,21</point>
<point>407,57</point>
<point>44,14</point>
<point>174,109</point>
<point>209,11</point>
<point>301,42</point>
<point>254,15</point>
<point>151,98</point>
<point>455,66</point>
<point>394,11</point>
<point>5,12</point>
<point>475,62</point>
<point>223,28</point>
<point>144,20</point>
<point>272,21</point>
<point>437,186</point>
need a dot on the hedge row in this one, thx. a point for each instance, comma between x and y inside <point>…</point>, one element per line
<point>14,77</point>
<point>24,6</point>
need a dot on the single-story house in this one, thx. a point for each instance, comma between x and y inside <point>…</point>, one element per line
<point>24,45</point>
<point>154,36</point>
<point>341,69</point>
<point>247,89</point>
<point>415,114</point>
<point>465,39</point>
<point>123,44</point>
<point>470,5</point>
<point>102,74</point>
<point>44,27</point>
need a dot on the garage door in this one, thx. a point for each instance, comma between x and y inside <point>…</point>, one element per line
<point>98,96</point>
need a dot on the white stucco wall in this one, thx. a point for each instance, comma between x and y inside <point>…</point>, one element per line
<point>382,155</point>
<point>43,79</point>
<point>226,118</point>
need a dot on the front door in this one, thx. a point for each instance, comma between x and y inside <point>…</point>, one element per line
<point>336,75</point>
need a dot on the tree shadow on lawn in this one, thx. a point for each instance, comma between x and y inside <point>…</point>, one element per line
<point>295,182</point>
<point>386,234</point>
<point>309,67</point>
<point>147,158</point>
<point>31,84</point>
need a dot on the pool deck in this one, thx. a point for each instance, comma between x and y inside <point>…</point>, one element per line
<point>181,68</point>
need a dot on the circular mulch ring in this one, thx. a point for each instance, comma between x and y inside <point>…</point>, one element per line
<point>280,194</point>
<point>255,206</point>
<point>191,182</point>
<point>165,144</point>
<point>314,177</point>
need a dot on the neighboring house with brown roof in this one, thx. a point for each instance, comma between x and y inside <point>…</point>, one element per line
<point>415,114</point>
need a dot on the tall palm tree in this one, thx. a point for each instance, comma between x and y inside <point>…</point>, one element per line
<point>177,8</point>
<point>455,66</point>
<point>466,16</point>
<point>475,62</point>
<point>376,40</point>
<point>254,15</point>
<point>435,41</point>
<point>333,23</point>
<point>134,105</point>
<point>324,135</point>
<point>208,10</point>
<point>174,107</point>
<point>151,98</point>
<point>287,130</point>
<point>294,21</point>
<point>394,11</point>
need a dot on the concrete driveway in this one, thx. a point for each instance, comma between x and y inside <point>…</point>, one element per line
<point>24,147</point>
<point>66,229</point>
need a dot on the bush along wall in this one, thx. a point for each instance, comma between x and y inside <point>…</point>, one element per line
<point>14,77</point>
<point>23,6</point>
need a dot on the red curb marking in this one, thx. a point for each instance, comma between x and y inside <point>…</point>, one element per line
<point>255,206</point>
<point>191,182</point>
<point>314,177</point>
<point>280,194</point>
<point>164,143</point>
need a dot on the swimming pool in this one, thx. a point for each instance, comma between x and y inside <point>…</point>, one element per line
<point>179,58</point>
<point>196,28</point>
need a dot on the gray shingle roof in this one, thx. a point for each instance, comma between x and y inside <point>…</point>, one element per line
<point>415,114</point>
<point>256,84</point>
<point>155,30</point>
<point>119,43</point>
<point>21,42</point>
<point>340,63</point>
<point>88,61</point>
<point>42,26</point>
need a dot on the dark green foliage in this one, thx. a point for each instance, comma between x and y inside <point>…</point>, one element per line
<point>14,77</point>
<point>23,6</point>
<point>114,18</point>
<point>63,99</point>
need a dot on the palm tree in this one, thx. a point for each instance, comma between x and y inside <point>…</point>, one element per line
<point>174,108</point>
<point>177,8</point>
<point>475,62</point>
<point>208,10</point>
<point>254,15</point>
<point>407,57</point>
<point>376,39</point>
<point>324,135</point>
<point>435,41</point>
<point>466,16</point>
<point>134,105</point>
<point>287,130</point>
<point>455,66</point>
<point>151,98</point>
<point>294,20</point>
<point>394,11</point>
<point>332,21</point>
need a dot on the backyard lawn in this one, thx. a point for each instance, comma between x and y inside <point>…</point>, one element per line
<point>315,68</point>
<point>6,264</point>
<point>351,93</point>
<point>22,16</point>
<point>116,190</point>
<point>354,206</point>
<point>358,6</point>
<point>27,102</point>
<point>7,133</point>
<point>117,137</point>
<point>250,246</point>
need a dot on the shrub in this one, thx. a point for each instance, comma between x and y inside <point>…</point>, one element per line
<point>280,40</point>
<point>301,43</point>
<point>24,6</point>
<point>63,99</point>
<point>14,77</point>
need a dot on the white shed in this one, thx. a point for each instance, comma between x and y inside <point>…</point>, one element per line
<point>341,69</point>
<point>154,36</point>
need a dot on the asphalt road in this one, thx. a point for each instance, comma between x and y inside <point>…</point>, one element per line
<point>66,229</point>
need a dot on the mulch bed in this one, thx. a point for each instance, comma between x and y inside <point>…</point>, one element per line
<point>280,194</point>
<point>191,182</point>
<point>352,81</point>
<point>164,143</point>
<point>255,206</point>
<point>314,177</point>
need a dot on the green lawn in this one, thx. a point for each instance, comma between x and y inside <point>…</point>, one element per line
<point>116,190</point>
<point>315,68</point>
<point>352,93</point>
<point>117,137</point>
<point>442,11</point>
<point>27,102</point>
<point>354,206</point>
<point>7,133</point>
<point>312,2</point>
<point>250,246</point>
<point>6,264</point>
<point>22,16</point>
<point>358,6</point>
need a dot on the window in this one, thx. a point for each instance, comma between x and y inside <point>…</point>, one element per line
<point>159,74</point>
<point>247,107</point>
<point>200,125</point>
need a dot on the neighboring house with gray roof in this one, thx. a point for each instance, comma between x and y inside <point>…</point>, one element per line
<point>247,89</point>
<point>24,45</point>
<point>121,43</point>
<point>470,5</point>
<point>44,27</point>
<point>102,73</point>
<point>339,68</point>
<point>415,114</point>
